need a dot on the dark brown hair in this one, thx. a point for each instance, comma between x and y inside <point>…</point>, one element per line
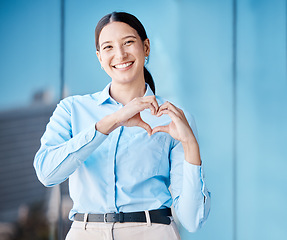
<point>133,22</point>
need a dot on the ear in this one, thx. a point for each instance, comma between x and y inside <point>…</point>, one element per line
<point>99,57</point>
<point>146,47</point>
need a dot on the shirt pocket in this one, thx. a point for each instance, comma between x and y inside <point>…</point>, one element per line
<point>145,154</point>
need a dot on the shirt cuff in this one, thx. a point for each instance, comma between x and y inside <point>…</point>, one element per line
<point>194,179</point>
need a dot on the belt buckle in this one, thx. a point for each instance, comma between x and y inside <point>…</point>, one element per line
<point>105,217</point>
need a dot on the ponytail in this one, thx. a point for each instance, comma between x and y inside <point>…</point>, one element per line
<point>149,80</point>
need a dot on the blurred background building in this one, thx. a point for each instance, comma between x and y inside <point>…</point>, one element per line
<point>224,61</point>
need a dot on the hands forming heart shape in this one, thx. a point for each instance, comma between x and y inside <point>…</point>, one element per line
<point>178,128</point>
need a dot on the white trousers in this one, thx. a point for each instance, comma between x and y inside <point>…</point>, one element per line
<point>122,231</point>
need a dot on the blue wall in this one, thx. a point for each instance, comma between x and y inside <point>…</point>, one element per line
<point>225,65</point>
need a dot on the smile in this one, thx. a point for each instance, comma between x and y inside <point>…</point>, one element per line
<point>124,65</point>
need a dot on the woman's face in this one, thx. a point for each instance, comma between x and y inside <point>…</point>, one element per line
<point>122,53</point>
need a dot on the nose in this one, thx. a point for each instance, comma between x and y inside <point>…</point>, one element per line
<point>121,53</point>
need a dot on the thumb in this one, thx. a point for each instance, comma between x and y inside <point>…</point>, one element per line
<point>160,129</point>
<point>145,126</point>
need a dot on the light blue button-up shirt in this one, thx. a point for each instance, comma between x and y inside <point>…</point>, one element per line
<point>125,171</point>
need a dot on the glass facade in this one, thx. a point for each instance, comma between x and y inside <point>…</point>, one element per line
<point>224,61</point>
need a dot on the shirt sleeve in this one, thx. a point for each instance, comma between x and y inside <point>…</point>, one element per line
<point>191,199</point>
<point>61,153</point>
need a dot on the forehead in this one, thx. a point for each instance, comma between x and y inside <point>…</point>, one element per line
<point>116,30</point>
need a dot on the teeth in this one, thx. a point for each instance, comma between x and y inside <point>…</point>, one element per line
<point>123,65</point>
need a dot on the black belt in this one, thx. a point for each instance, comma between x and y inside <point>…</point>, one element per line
<point>156,216</point>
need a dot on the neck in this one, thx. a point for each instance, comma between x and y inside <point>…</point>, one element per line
<point>124,93</point>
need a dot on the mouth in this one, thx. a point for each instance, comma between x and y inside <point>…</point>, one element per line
<point>123,66</point>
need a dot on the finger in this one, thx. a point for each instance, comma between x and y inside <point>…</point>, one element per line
<point>152,100</point>
<point>155,104</point>
<point>151,107</point>
<point>169,106</point>
<point>160,129</point>
<point>145,126</point>
<point>170,113</point>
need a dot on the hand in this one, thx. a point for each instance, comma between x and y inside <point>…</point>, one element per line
<point>179,127</point>
<point>180,130</point>
<point>129,115</point>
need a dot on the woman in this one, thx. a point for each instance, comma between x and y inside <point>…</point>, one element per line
<point>123,147</point>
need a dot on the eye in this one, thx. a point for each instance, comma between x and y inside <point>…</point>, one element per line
<point>107,47</point>
<point>129,42</point>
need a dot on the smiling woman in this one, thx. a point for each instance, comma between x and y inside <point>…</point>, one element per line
<point>122,55</point>
<point>122,148</point>
<point>137,34</point>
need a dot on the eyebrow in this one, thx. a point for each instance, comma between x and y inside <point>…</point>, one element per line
<point>129,36</point>
<point>132,36</point>
<point>105,43</point>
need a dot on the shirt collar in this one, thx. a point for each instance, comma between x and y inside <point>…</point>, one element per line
<point>105,94</point>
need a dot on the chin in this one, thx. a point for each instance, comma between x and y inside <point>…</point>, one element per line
<point>124,79</point>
